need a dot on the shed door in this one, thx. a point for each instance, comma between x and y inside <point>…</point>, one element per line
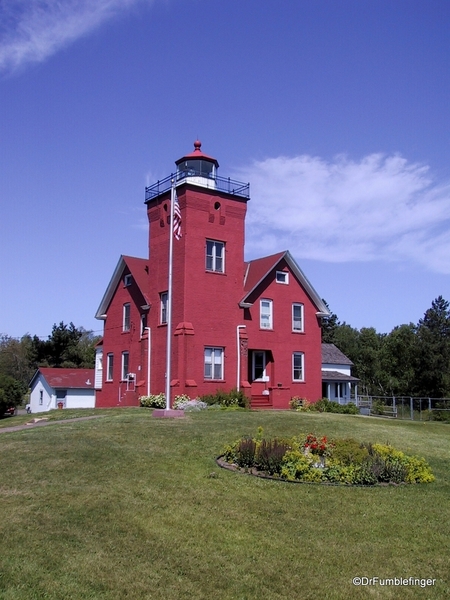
<point>61,398</point>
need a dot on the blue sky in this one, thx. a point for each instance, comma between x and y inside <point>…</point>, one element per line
<point>336,112</point>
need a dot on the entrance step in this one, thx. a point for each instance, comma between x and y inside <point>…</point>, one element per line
<point>261,401</point>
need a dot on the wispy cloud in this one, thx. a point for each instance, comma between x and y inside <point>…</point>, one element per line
<point>380,207</point>
<point>33,30</point>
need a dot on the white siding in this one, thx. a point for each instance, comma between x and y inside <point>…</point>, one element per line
<point>80,399</point>
<point>345,369</point>
<point>98,368</point>
<point>75,398</point>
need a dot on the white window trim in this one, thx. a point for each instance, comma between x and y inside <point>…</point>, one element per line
<point>109,366</point>
<point>214,268</point>
<point>127,280</point>
<point>126,323</point>
<point>269,322</point>
<point>215,351</point>
<point>284,275</point>
<point>125,375</point>
<point>302,355</point>
<point>264,377</point>
<point>302,319</point>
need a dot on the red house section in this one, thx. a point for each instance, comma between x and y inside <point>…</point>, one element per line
<point>254,325</point>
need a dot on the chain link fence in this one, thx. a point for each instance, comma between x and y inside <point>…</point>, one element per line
<point>405,407</point>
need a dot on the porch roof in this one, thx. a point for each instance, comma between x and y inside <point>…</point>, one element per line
<point>337,376</point>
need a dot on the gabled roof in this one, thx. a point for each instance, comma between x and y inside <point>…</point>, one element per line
<point>259,269</point>
<point>331,355</point>
<point>66,378</point>
<point>138,268</point>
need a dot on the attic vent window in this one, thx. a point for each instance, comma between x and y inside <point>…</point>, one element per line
<point>127,280</point>
<point>282,277</point>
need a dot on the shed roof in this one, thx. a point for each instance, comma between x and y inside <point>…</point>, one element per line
<point>66,378</point>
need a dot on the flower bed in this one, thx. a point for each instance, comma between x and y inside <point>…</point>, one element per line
<point>309,458</point>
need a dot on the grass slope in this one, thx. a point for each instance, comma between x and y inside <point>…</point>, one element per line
<point>125,507</point>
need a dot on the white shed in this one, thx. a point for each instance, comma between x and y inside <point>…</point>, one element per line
<point>62,388</point>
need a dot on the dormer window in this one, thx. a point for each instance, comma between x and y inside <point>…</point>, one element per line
<point>282,277</point>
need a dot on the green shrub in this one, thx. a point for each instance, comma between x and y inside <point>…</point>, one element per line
<point>153,401</point>
<point>324,405</point>
<point>231,399</point>
<point>348,451</point>
<point>378,408</point>
<point>349,409</point>
<point>245,453</point>
<point>269,456</point>
<point>295,465</point>
<point>299,403</point>
<point>310,458</point>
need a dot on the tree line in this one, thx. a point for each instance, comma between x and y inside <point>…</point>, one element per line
<point>411,360</point>
<point>67,346</point>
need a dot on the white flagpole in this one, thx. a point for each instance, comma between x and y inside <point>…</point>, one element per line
<point>169,296</point>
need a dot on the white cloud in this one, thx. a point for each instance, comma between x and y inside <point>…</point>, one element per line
<point>33,30</point>
<point>380,207</point>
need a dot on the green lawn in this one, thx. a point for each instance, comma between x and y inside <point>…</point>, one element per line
<point>127,506</point>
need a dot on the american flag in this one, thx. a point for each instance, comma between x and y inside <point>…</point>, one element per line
<point>176,219</point>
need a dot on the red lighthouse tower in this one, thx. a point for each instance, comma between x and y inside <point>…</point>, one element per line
<point>208,270</point>
<point>251,325</point>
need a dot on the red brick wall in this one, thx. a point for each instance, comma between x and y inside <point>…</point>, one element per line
<point>206,310</point>
<point>116,341</point>
<point>282,341</point>
<point>206,300</point>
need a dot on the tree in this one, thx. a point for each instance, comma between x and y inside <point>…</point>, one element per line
<point>67,346</point>
<point>433,368</point>
<point>14,358</point>
<point>329,325</point>
<point>11,393</point>
<point>399,360</point>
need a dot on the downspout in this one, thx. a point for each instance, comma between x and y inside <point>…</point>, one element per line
<point>238,376</point>
<point>149,349</point>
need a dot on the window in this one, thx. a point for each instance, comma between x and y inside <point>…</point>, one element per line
<point>41,397</point>
<point>127,280</point>
<point>213,363</point>
<point>297,366</point>
<point>99,361</point>
<point>163,315</point>
<point>297,317</point>
<point>125,361</point>
<point>282,277</point>
<point>265,321</point>
<point>126,317</point>
<point>215,255</point>
<point>143,323</point>
<point>259,362</point>
<point>109,367</point>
